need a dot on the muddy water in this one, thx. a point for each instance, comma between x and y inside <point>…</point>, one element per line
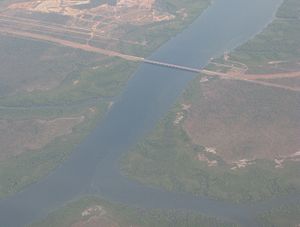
<point>93,167</point>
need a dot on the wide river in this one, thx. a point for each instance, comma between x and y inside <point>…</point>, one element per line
<point>93,167</point>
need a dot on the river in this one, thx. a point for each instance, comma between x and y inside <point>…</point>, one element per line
<point>93,167</point>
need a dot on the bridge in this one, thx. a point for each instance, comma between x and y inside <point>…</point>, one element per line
<point>164,64</point>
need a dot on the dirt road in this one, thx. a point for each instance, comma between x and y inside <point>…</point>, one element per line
<point>68,43</point>
<point>257,78</point>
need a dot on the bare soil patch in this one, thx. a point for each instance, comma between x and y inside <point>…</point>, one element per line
<point>95,216</point>
<point>89,25</point>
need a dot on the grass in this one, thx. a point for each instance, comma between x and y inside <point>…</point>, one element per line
<point>125,216</point>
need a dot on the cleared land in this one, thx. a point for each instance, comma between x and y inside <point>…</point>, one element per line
<point>102,25</point>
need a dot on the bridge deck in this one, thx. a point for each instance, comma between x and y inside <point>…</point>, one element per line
<point>195,70</point>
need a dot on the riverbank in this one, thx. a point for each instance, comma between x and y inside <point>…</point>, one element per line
<point>93,211</point>
<point>218,140</point>
<point>29,155</point>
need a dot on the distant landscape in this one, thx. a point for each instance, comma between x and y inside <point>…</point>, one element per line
<point>233,134</point>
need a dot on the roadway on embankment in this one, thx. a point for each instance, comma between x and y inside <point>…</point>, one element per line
<point>71,44</point>
<point>49,32</point>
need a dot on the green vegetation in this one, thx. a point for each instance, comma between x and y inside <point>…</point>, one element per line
<point>290,9</point>
<point>279,42</point>
<point>67,100</point>
<point>87,83</point>
<point>285,216</point>
<point>124,216</point>
<point>103,80</point>
<point>18,171</point>
<point>158,33</point>
<point>168,158</point>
